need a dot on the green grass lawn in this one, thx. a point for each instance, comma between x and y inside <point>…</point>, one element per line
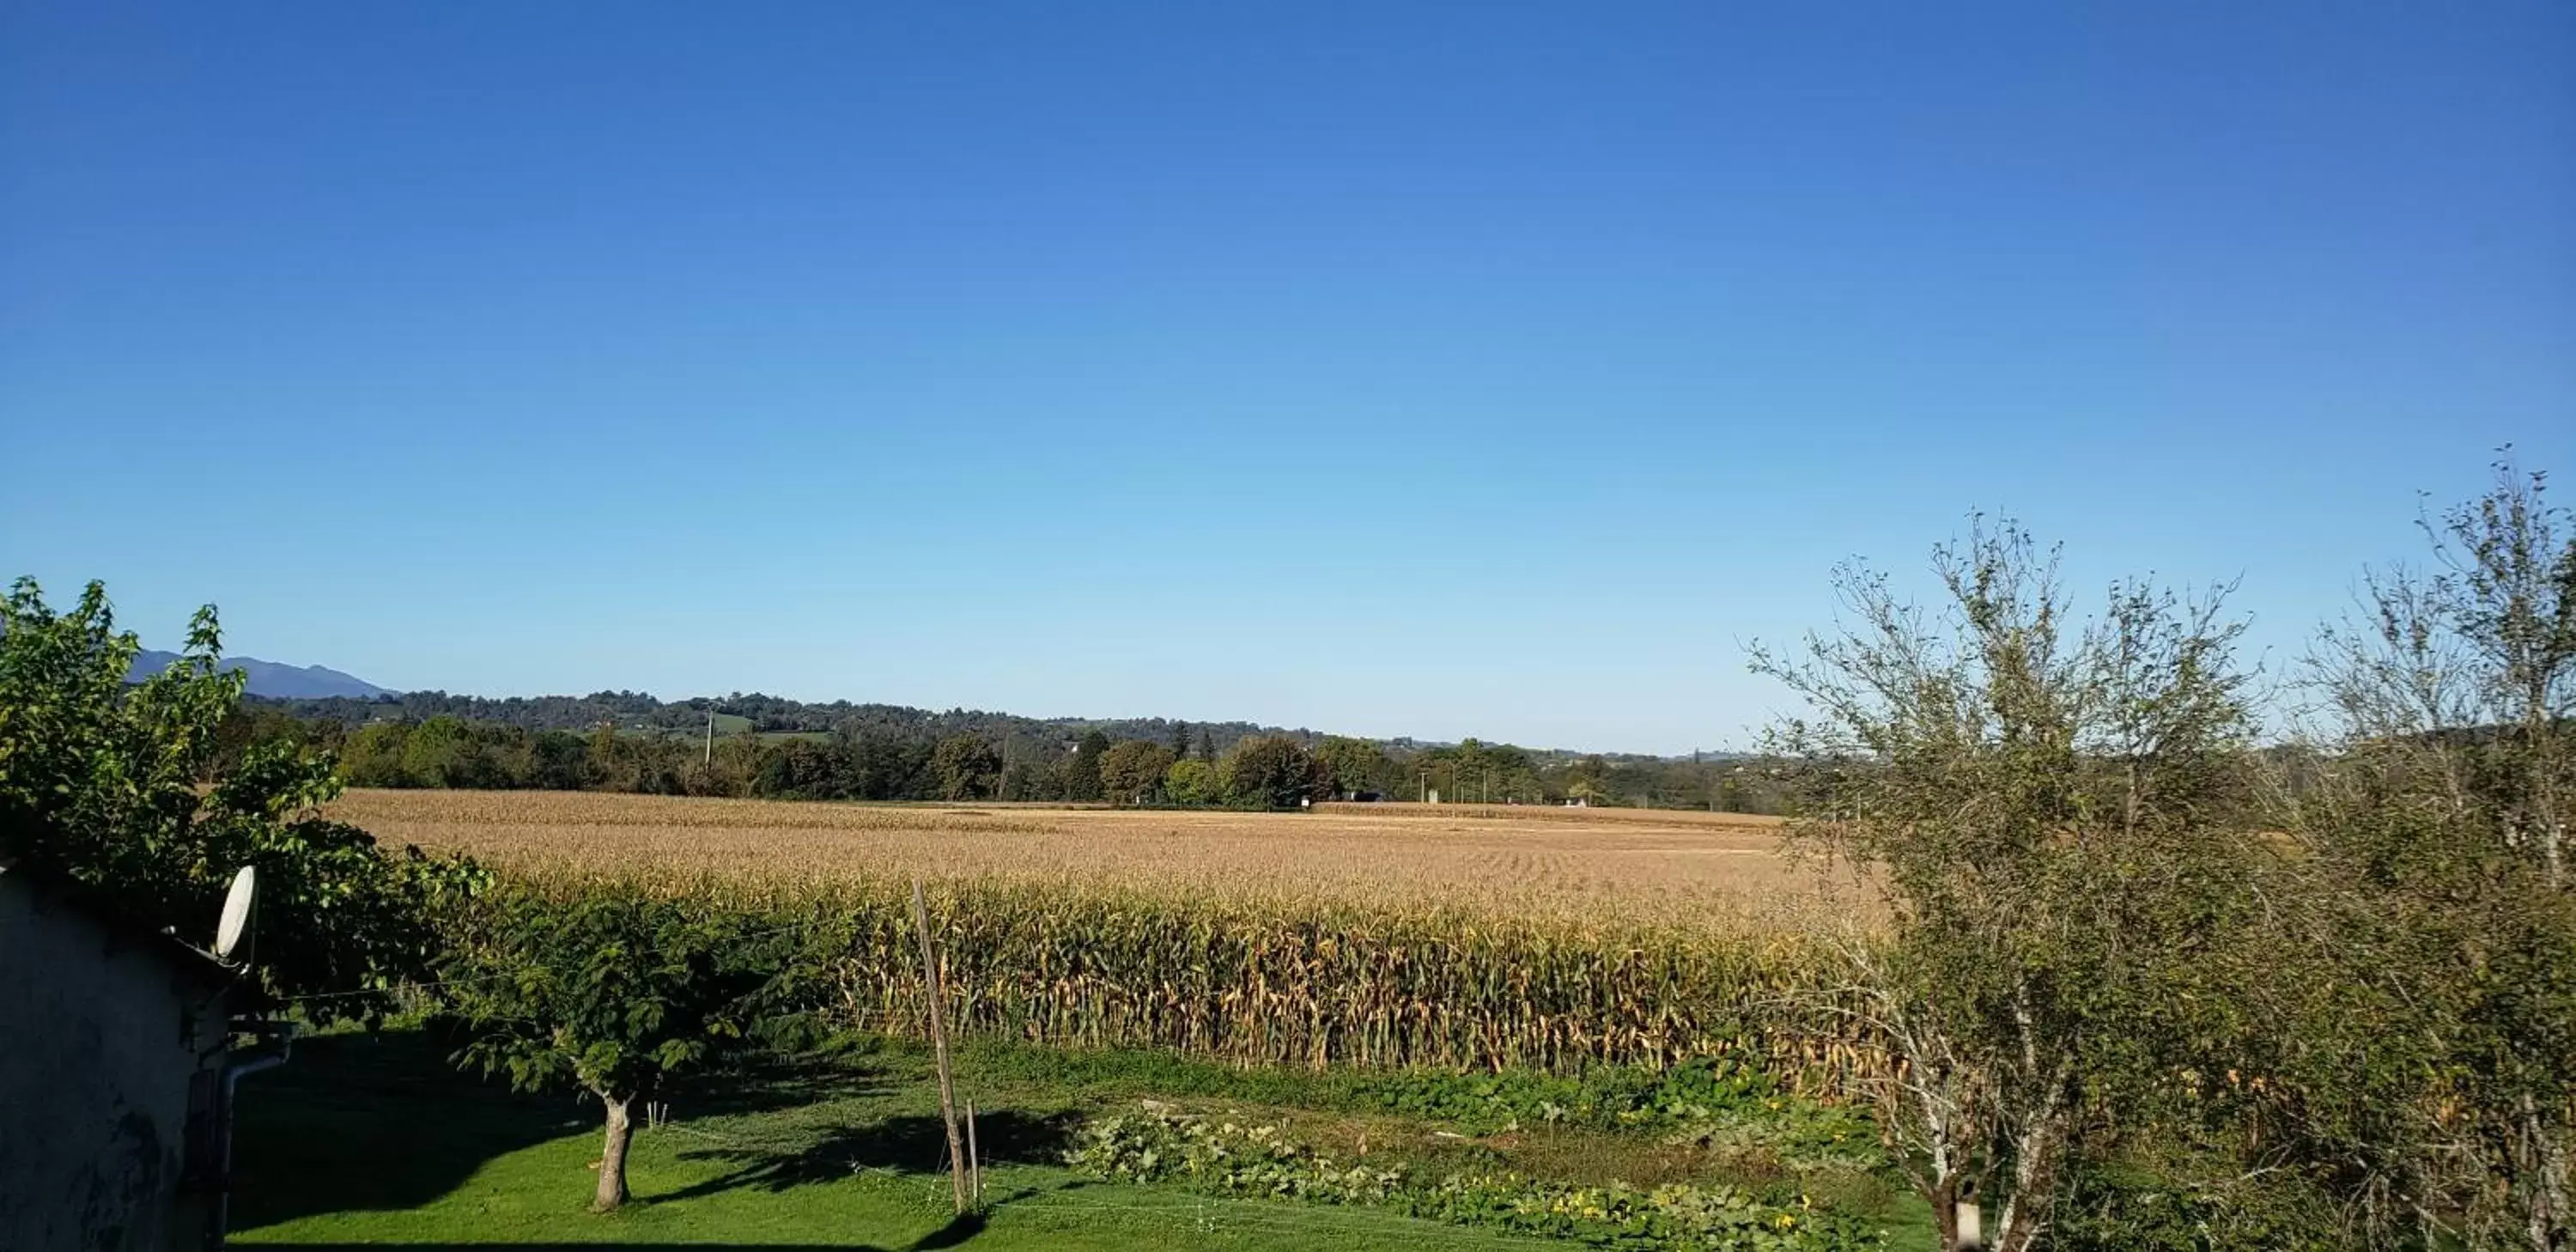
<point>373,1141</point>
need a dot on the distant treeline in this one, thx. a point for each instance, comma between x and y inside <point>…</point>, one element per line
<point>637,711</point>
<point>883,752</point>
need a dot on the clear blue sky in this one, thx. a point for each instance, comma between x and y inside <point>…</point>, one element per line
<point>1442,370</point>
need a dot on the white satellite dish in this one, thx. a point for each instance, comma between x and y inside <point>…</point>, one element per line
<point>233,933</point>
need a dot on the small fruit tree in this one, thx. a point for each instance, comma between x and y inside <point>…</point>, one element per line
<point>608,989</point>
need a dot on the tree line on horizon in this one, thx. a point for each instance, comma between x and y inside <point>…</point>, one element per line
<point>754,711</point>
<point>1469,771</point>
<point>1182,765</point>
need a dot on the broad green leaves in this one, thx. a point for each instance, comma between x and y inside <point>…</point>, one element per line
<point>607,988</point>
<point>118,788</point>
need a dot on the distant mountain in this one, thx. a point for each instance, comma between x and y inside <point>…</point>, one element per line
<point>269,678</point>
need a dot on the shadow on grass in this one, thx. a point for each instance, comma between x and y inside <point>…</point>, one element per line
<point>383,1122</point>
<point>902,1145</point>
<point>959,1231</point>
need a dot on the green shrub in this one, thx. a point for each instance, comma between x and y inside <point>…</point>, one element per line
<point>1159,1144</point>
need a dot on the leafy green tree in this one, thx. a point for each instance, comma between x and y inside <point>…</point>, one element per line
<point>1192,781</point>
<point>968,767</point>
<point>373,757</point>
<point>1026,779</point>
<point>245,728</point>
<point>1180,740</point>
<point>107,784</point>
<point>442,752</point>
<point>889,766</point>
<point>1467,761</point>
<point>2051,813</point>
<point>1131,771</point>
<point>1520,786</point>
<point>1732,795</point>
<point>1270,771</point>
<point>1589,781</point>
<point>1081,770</point>
<point>2435,1048</point>
<point>1353,765</point>
<point>558,761</point>
<point>606,765</point>
<point>607,991</point>
<point>737,766</point>
<point>802,769</point>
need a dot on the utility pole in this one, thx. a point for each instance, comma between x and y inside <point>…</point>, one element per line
<point>711,737</point>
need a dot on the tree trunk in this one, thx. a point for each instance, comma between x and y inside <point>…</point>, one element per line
<point>1945,1214</point>
<point>612,1157</point>
<point>2544,1164</point>
<point>2025,1211</point>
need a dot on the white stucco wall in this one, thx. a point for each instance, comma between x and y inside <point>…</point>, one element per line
<point>101,1032</point>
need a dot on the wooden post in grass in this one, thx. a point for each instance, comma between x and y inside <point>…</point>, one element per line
<point>939,1045</point>
<point>974,1160</point>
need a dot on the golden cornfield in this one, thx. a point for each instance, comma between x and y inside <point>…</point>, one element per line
<point>1368,934</point>
<point>1627,865</point>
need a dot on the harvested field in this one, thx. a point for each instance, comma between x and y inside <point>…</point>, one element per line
<point>1599,865</point>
